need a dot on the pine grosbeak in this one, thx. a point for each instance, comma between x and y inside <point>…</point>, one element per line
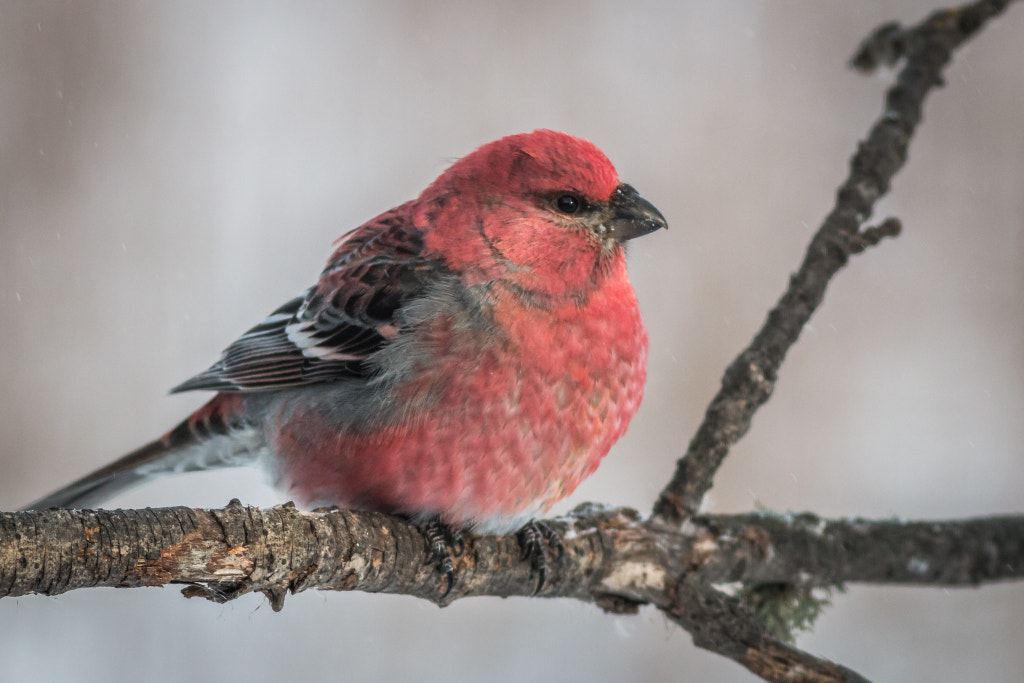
<point>467,357</point>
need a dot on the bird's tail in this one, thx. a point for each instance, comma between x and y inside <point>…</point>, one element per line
<point>214,436</point>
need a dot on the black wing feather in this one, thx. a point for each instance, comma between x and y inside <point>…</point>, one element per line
<point>330,330</point>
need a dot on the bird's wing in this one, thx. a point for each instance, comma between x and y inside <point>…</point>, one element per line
<point>330,330</point>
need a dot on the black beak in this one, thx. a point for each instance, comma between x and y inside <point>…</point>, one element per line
<point>632,215</point>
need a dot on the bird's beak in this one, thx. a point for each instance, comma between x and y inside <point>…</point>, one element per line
<point>632,215</point>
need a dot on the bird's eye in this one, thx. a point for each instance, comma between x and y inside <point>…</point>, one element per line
<point>568,203</point>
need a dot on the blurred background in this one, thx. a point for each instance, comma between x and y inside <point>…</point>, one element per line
<point>172,172</point>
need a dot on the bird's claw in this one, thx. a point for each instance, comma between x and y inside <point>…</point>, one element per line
<point>439,536</point>
<point>534,539</point>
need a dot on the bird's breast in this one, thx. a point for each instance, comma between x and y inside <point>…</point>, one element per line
<point>495,420</point>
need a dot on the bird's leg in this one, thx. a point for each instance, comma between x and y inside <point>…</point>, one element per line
<point>439,537</point>
<point>534,539</point>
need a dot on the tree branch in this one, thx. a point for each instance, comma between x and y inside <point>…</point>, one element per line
<point>750,378</point>
<point>613,559</point>
<point>609,553</point>
<point>725,625</point>
<point>805,549</point>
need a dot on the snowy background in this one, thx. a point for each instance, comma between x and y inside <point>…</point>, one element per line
<point>172,172</point>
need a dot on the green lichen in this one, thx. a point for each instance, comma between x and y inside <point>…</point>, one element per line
<point>786,609</point>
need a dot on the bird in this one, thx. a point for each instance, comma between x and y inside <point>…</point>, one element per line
<point>465,359</point>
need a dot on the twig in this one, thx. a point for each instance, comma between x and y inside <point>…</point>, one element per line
<point>724,625</point>
<point>750,378</point>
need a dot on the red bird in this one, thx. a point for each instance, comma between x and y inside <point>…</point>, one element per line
<point>466,359</point>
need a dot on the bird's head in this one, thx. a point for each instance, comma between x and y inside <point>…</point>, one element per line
<point>543,208</point>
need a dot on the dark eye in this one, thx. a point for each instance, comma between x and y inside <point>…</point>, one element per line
<point>568,203</point>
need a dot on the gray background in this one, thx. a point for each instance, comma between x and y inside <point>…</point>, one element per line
<point>171,172</point>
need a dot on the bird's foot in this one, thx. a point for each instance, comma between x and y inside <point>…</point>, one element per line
<point>439,537</point>
<point>535,538</point>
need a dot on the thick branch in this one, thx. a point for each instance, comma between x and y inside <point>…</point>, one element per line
<point>240,549</point>
<point>610,554</point>
<point>612,558</point>
<point>750,379</point>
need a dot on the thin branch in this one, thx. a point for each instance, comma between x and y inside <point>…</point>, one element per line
<point>750,379</point>
<point>804,549</point>
<point>724,625</point>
